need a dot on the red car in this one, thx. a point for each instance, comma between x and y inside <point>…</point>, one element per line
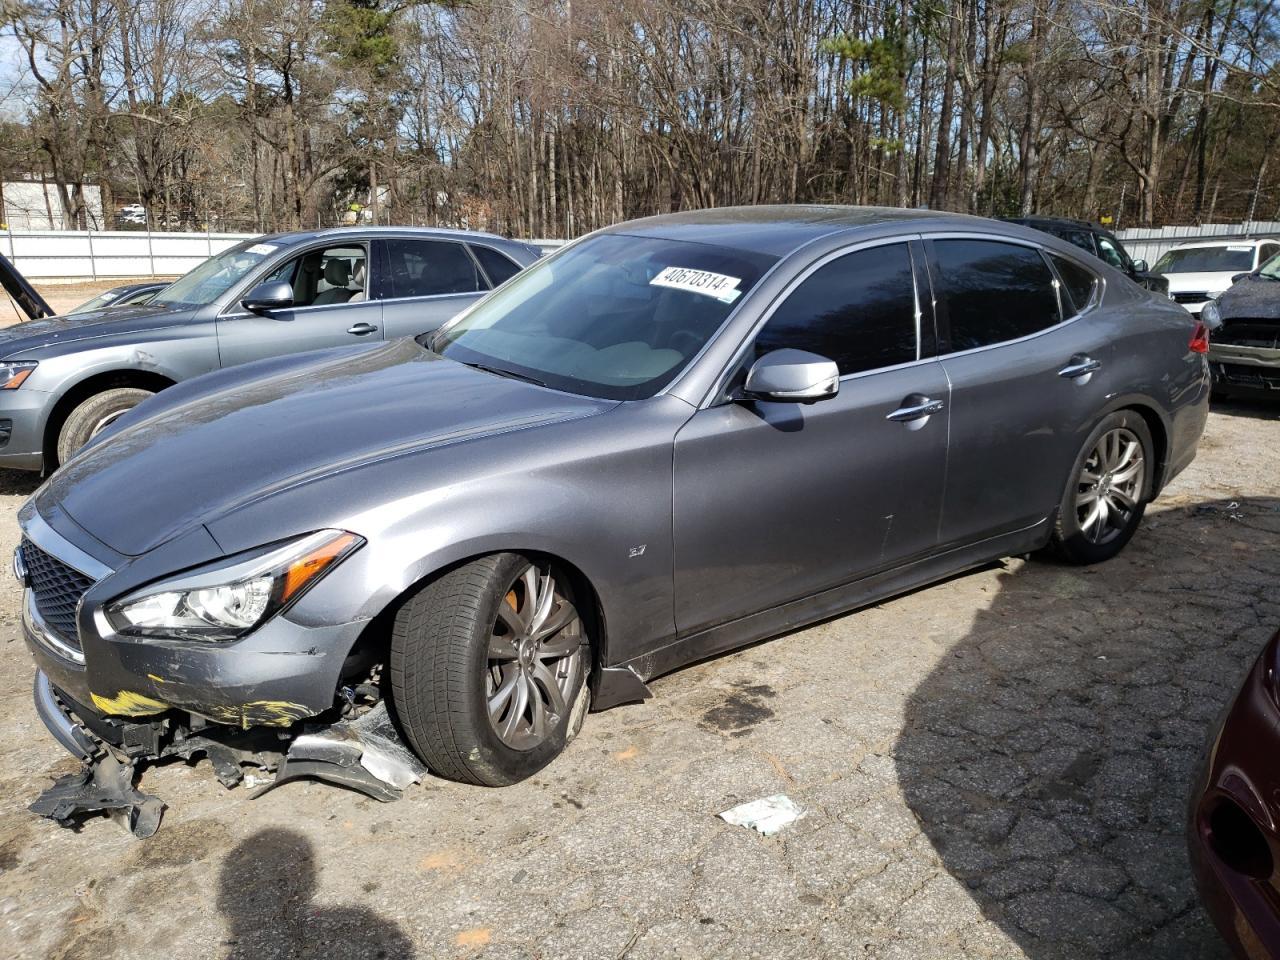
<point>1234,829</point>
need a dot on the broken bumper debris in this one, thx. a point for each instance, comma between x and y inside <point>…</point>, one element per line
<point>361,751</point>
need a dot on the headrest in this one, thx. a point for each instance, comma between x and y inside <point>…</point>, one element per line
<point>337,272</point>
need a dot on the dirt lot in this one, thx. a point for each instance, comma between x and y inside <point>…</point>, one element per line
<point>992,767</point>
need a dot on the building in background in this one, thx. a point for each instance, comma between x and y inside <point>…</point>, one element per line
<point>35,205</point>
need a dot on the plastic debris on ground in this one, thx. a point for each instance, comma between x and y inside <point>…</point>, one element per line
<point>768,815</point>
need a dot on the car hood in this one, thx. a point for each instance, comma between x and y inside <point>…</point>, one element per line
<point>191,463</point>
<point>1197,282</point>
<point>22,338</point>
<point>1252,297</point>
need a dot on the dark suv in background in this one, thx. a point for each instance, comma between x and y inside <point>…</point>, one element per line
<point>1100,242</point>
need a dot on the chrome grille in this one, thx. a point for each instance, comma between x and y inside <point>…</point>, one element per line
<point>57,589</point>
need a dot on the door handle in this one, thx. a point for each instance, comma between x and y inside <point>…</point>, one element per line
<point>360,329</point>
<point>1079,366</point>
<point>916,408</point>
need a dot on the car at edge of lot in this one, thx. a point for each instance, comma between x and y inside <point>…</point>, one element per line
<point>64,379</point>
<point>125,295</point>
<point>671,438</point>
<point>1200,272</point>
<point>1232,830</point>
<point>1244,345</point>
<point>1099,241</point>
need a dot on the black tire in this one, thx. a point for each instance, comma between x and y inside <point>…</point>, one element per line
<point>93,415</point>
<point>1070,539</point>
<point>441,670</point>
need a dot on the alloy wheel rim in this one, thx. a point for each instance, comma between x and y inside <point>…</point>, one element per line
<point>1110,485</point>
<point>534,660</point>
<point>105,422</point>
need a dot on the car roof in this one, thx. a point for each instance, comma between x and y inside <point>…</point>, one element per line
<point>1057,221</point>
<point>778,230</point>
<point>1227,242</point>
<point>304,236</point>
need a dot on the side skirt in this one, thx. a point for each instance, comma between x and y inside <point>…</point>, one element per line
<point>849,596</point>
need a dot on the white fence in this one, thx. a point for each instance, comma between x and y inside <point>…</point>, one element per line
<point>80,254</point>
<point>1151,243</point>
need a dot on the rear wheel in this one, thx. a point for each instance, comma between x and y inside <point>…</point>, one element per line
<point>1108,491</point>
<point>94,415</point>
<point>488,669</point>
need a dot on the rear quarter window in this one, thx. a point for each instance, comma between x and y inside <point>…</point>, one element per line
<point>1078,284</point>
<point>499,267</point>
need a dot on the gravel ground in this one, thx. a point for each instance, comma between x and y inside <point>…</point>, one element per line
<point>992,767</point>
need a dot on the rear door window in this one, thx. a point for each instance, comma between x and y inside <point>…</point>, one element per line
<point>432,268</point>
<point>993,291</point>
<point>858,310</point>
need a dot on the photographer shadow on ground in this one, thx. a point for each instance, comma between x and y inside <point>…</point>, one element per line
<point>266,892</point>
<point>1049,754</point>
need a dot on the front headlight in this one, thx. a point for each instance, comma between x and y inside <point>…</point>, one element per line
<point>1211,315</point>
<point>230,599</point>
<point>14,372</point>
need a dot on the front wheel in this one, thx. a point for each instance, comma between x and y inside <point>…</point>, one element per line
<point>1108,491</point>
<point>488,669</point>
<point>94,415</point>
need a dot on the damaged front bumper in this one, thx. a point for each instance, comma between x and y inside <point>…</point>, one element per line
<point>273,699</point>
<point>362,751</point>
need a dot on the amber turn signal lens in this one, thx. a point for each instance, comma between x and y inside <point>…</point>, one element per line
<point>15,381</point>
<point>306,568</point>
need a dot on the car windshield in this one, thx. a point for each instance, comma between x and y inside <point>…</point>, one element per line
<point>100,302</point>
<point>1224,259</point>
<point>216,275</point>
<point>615,316</point>
<point>1271,269</point>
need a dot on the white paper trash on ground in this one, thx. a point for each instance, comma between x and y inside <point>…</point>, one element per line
<point>767,815</point>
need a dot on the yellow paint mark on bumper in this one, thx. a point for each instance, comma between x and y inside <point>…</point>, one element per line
<point>126,703</point>
<point>259,713</point>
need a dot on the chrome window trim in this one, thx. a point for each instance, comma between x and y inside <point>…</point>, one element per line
<point>432,296</point>
<point>715,397</point>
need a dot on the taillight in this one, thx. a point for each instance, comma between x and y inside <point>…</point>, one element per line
<point>1199,339</point>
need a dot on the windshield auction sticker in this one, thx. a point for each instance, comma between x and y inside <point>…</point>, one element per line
<point>262,248</point>
<point>723,288</point>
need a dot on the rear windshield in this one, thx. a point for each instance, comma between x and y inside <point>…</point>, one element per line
<point>615,316</point>
<point>1226,259</point>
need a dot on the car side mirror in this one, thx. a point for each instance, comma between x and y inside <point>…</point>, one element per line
<point>1240,276</point>
<point>265,297</point>
<point>792,376</point>
<point>1140,266</point>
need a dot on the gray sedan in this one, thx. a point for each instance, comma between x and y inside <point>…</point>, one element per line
<point>64,379</point>
<point>674,437</point>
